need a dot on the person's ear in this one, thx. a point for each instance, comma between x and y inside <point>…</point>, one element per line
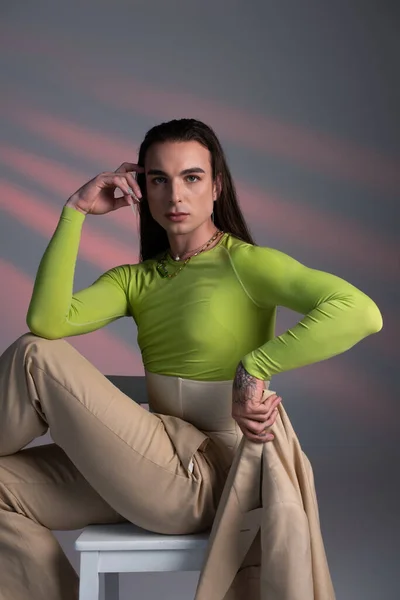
<point>217,188</point>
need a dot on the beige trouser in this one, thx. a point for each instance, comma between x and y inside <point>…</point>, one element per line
<point>112,461</point>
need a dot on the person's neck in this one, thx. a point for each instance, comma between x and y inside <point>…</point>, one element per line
<point>181,245</point>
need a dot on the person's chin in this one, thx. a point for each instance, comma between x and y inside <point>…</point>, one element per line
<point>177,227</point>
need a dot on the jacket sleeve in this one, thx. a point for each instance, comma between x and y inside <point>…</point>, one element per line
<point>337,314</point>
<point>55,311</point>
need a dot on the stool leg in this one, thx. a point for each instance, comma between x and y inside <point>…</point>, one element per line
<point>111,586</point>
<point>89,576</point>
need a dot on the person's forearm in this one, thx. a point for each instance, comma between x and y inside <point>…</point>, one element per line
<point>330,329</point>
<point>52,293</point>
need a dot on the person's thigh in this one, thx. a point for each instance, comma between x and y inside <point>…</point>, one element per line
<point>43,484</point>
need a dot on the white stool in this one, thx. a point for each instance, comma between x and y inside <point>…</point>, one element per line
<point>125,548</point>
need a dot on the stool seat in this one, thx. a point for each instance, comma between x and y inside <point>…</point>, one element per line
<point>125,536</point>
<point>126,548</point>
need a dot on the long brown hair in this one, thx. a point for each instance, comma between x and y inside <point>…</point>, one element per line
<point>227,214</point>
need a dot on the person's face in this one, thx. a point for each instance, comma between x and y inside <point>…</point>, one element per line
<point>179,180</point>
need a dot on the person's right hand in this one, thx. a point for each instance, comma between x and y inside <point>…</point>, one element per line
<point>254,413</point>
<point>97,196</point>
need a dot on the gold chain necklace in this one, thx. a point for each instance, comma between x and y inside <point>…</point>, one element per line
<point>162,263</point>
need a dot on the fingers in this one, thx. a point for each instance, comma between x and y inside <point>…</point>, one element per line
<point>129,169</point>
<point>134,185</point>
<point>122,183</point>
<point>125,167</point>
<point>258,427</point>
<point>261,438</point>
<point>273,399</point>
<point>261,411</point>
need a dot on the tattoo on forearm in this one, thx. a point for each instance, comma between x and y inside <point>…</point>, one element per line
<point>244,386</point>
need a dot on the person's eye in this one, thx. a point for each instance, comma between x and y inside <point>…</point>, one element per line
<point>195,177</point>
<point>157,179</point>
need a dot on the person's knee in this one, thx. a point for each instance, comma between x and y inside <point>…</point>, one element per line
<point>32,349</point>
<point>30,338</point>
<point>29,342</point>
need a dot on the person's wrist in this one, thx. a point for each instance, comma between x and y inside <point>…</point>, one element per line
<point>71,203</point>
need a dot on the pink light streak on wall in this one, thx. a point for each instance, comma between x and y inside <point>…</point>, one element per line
<point>29,209</point>
<point>108,354</point>
<point>93,146</point>
<point>301,224</point>
<point>63,181</point>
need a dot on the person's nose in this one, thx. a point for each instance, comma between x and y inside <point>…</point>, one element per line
<point>176,195</point>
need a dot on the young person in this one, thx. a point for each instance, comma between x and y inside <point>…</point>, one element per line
<point>204,298</point>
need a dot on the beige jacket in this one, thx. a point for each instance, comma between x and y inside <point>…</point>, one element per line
<point>266,541</point>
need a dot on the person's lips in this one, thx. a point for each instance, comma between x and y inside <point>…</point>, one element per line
<point>177,216</point>
<point>171,214</point>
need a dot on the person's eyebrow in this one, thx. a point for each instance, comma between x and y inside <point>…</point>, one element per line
<point>184,172</point>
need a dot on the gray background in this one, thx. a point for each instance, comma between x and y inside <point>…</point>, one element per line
<point>305,99</point>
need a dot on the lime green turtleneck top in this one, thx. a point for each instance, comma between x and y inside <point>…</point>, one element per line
<point>218,311</point>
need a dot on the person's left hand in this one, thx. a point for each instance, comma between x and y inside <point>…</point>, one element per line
<point>254,415</point>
